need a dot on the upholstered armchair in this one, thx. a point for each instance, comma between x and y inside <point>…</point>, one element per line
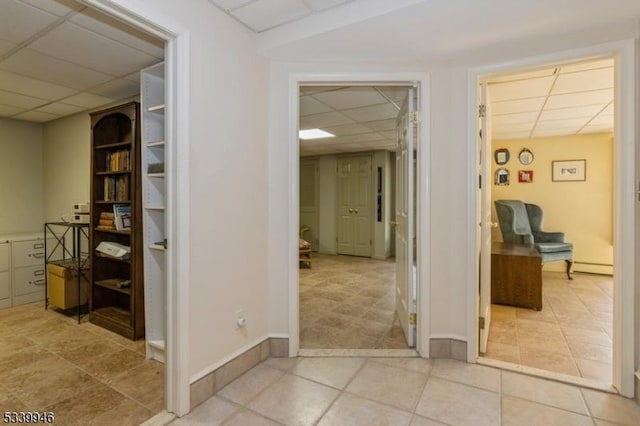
<point>521,223</point>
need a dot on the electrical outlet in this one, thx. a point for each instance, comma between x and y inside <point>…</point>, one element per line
<point>241,321</point>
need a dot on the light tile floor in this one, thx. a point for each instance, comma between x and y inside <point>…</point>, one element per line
<point>82,373</point>
<point>403,391</point>
<point>348,302</point>
<point>570,335</point>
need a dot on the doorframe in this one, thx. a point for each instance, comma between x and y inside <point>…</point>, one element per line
<point>624,329</point>
<point>423,190</point>
<point>176,38</point>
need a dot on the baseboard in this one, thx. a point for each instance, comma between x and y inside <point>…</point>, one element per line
<point>448,348</point>
<point>210,383</point>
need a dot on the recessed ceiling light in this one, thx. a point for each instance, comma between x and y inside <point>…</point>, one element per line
<point>314,134</point>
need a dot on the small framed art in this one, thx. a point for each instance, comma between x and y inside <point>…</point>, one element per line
<point>569,170</point>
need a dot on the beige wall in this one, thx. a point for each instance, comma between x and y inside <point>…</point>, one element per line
<point>582,210</point>
<point>66,164</point>
<point>20,176</point>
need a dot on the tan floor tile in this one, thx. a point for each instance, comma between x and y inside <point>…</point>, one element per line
<point>543,391</point>
<point>353,410</point>
<point>9,402</point>
<point>549,361</point>
<point>334,372</point>
<point>246,387</point>
<point>79,409</point>
<point>516,412</point>
<point>294,400</point>
<point>502,336</point>
<point>455,403</point>
<point>246,418</point>
<point>108,366</point>
<point>420,365</point>
<point>612,408</point>
<point>389,385</point>
<point>151,373</point>
<point>12,343</point>
<point>592,352</point>
<point>283,364</point>
<point>503,352</point>
<point>577,335</point>
<point>213,411</point>
<point>423,421</point>
<point>595,370</point>
<point>126,413</point>
<point>557,345</point>
<point>470,374</point>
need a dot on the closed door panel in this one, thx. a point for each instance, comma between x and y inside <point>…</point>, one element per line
<point>4,257</point>
<point>354,205</point>
<point>4,285</point>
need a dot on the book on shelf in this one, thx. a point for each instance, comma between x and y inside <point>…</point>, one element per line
<point>122,216</point>
<point>118,161</point>
<point>155,168</point>
<point>116,188</point>
<point>106,221</point>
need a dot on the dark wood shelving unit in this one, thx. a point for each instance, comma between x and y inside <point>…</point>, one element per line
<point>115,131</point>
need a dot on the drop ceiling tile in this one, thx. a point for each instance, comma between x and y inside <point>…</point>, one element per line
<point>9,110</point>
<point>390,134</point>
<point>133,77</point>
<point>113,29</point>
<point>309,105</point>
<point>59,108</point>
<point>521,89</point>
<point>567,113</point>
<point>593,97</point>
<point>520,117</point>
<point>602,120</point>
<point>264,14</point>
<point>364,137</point>
<point>20,101</point>
<point>230,4</point>
<point>80,46</point>
<point>372,113</point>
<point>495,136</point>
<point>6,46</point>
<point>351,97</point>
<point>584,80</point>
<point>56,7</point>
<point>36,116</point>
<point>117,89</point>
<point>317,5</point>
<point>32,87</point>
<point>513,127</point>
<point>380,125</point>
<point>395,93</point>
<point>521,105</point>
<point>608,110</point>
<point>524,75</point>
<point>324,120</point>
<point>555,132</point>
<point>32,64</point>
<point>348,129</point>
<point>582,66</point>
<point>576,123</point>
<point>596,128</point>
<point>19,21</point>
<point>87,100</point>
<point>309,90</point>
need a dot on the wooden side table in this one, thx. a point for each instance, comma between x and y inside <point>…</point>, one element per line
<point>516,275</point>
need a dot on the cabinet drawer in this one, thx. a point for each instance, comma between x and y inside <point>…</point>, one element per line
<point>28,253</point>
<point>28,280</point>
<point>4,285</point>
<point>4,257</point>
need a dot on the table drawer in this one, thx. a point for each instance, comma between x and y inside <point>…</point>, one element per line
<point>28,280</point>
<point>28,253</point>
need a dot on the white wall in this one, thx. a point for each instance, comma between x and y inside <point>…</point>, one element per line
<point>328,186</point>
<point>20,176</point>
<point>227,174</point>
<point>67,143</point>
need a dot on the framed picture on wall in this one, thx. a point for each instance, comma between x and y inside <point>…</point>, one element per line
<point>569,170</point>
<point>525,176</point>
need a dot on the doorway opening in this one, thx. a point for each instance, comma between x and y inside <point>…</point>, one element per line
<point>357,216</point>
<point>540,130</point>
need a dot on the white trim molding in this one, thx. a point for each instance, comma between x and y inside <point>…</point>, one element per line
<point>625,225</point>
<point>424,253</point>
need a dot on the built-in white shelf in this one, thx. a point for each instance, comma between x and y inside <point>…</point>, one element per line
<point>156,108</point>
<point>159,208</point>
<point>155,143</point>
<point>157,247</point>
<point>155,175</point>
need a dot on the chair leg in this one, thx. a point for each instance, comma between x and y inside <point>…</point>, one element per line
<point>569,263</point>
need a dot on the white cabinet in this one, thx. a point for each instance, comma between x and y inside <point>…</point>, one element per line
<point>152,99</point>
<point>5,274</point>
<point>22,269</point>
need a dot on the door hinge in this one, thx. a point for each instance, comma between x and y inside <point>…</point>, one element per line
<point>414,117</point>
<point>413,319</point>
<point>481,322</point>
<point>482,111</point>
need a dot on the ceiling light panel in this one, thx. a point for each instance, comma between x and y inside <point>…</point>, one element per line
<point>264,14</point>
<point>32,87</point>
<point>583,81</point>
<point>593,97</point>
<point>19,21</point>
<point>317,5</point>
<point>351,97</point>
<point>56,7</point>
<point>326,119</point>
<point>372,113</point>
<point>113,29</point>
<point>309,105</point>
<point>79,46</point>
<point>522,105</point>
<point>521,89</point>
<point>32,64</point>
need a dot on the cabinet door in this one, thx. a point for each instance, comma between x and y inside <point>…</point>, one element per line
<point>28,253</point>
<point>28,280</point>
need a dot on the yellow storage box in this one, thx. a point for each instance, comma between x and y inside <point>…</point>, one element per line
<point>62,286</point>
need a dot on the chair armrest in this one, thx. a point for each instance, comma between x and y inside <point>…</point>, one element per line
<point>548,237</point>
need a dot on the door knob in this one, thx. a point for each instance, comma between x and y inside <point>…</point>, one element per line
<point>355,210</point>
<point>350,210</point>
<point>393,223</point>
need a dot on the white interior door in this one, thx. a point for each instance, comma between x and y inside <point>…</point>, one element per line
<point>309,200</point>
<point>484,215</point>
<point>405,274</point>
<point>354,205</point>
